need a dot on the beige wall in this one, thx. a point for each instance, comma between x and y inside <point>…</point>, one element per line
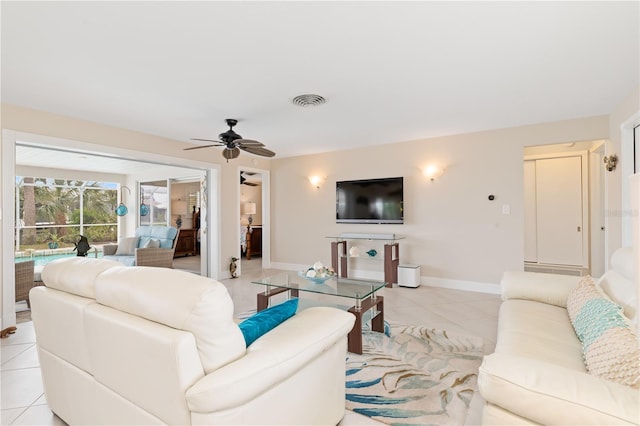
<point>453,231</point>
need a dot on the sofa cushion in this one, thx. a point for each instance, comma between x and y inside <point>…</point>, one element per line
<point>538,331</point>
<point>127,246</point>
<point>151,243</point>
<point>618,283</point>
<point>622,262</point>
<point>264,321</point>
<point>165,234</point>
<point>180,300</point>
<point>122,260</point>
<point>545,393</point>
<point>546,288</point>
<point>76,275</point>
<point>287,350</point>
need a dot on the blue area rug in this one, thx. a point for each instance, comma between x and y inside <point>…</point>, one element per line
<point>414,375</point>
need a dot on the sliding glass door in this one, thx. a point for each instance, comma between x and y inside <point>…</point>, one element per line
<point>154,196</point>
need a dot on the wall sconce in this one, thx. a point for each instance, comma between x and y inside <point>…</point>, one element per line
<point>610,162</point>
<point>316,181</point>
<point>249,209</point>
<point>432,172</point>
<point>122,210</point>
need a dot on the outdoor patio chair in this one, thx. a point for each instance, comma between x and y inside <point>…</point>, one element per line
<point>151,246</point>
<point>24,280</point>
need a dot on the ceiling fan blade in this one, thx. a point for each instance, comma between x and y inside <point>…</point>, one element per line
<point>257,150</point>
<point>230,154</point>
<point>208,140</point>
<point>247,142</point>
<point>200,146</point>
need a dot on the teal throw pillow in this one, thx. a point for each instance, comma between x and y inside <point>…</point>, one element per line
<point>264,321</point>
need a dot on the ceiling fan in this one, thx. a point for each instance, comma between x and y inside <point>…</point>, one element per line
<point>233,143</point>
<point>243,180</point>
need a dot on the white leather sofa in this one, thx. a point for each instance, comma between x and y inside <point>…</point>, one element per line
<point>537,374</point>
<point>142,345</point>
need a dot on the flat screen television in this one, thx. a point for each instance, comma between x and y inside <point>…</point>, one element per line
<point>370,201</point>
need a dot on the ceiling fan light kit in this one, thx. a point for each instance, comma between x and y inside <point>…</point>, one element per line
<point>233,143</point>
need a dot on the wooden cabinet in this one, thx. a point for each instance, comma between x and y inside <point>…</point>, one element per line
<point>187,243</point>
<point>254,242</point>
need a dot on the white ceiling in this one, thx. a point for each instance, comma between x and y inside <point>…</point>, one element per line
<point>391,71</point>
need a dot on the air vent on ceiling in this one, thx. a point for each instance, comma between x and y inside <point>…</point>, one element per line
<point>308,100</point>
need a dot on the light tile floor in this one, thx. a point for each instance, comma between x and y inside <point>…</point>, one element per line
<point>23,401</point>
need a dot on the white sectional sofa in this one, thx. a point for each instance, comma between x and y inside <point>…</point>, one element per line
<point>142,345</point>
<point>537,374</point>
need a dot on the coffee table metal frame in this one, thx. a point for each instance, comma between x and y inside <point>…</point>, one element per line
<point>362,292</point>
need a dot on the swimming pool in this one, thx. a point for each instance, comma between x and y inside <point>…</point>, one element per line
<point>44,258</point>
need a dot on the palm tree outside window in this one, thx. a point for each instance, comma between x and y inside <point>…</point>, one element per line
<point>52,213</point>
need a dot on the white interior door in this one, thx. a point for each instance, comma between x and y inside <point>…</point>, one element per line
<point>559,211</point>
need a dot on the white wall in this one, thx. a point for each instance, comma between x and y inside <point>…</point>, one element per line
<point>453,231</point>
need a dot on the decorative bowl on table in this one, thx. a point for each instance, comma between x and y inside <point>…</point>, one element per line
<point>318,273</point>
<point>316,280</point>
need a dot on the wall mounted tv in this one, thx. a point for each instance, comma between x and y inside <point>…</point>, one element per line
<point>370,201</point>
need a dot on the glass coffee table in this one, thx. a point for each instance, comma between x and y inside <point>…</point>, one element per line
<point>361,293</point>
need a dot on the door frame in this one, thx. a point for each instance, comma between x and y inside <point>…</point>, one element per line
<point>211,265</point>
<point>597,188</point>
<point>266,215</point>
<point>626,158</point>
<point>586,231</point>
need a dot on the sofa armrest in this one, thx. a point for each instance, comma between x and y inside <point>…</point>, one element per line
<point>272,358</point>
<point>109,249</point>
<point>552,289</point>
<point>553,395</point>
<point>152,256</point>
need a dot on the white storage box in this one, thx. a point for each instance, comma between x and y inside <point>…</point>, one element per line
<point>409,275</point>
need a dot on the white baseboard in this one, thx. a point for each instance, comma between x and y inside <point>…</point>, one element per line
<point>461,285</point>
<point>9,319</point>
<point>478,287</point>
<point>288,266</point>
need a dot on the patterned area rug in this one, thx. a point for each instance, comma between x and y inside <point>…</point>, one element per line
<point>413,375</point>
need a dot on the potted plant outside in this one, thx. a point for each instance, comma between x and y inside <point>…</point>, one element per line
<point>54,241</point>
